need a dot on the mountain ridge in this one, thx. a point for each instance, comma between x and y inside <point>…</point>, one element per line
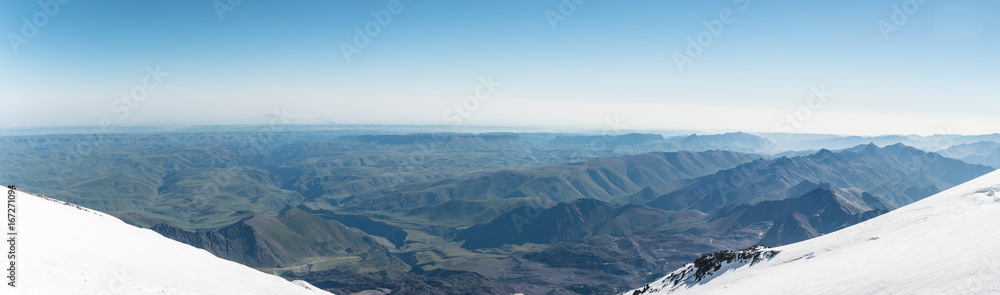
<point>900,252</point>
<point>897,173</point>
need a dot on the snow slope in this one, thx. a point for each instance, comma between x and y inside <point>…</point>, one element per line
<point>65,249</point>
<point>948,243</point>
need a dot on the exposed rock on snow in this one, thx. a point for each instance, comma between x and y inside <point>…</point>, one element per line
<point>943,244</point>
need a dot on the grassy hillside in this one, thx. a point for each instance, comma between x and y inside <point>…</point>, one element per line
<point>291,241</point>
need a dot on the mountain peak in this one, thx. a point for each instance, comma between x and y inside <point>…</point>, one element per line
<point>900,147</point>
<point>871,148</point>
<point>864,149</point>
<point>824,153</point>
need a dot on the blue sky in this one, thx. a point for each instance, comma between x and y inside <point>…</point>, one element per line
<point>603,61</point>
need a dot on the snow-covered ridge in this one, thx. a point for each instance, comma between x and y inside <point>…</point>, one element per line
<point>943,244</point>
<point>43,197</point>
<point>708,265</point>
<point>63,248</point>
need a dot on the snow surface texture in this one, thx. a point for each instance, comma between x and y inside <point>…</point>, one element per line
<point>66,249</point>
<point>948,243</point>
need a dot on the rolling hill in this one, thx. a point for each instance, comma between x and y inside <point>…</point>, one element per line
<point>606,179</point>
<point>293,239</point>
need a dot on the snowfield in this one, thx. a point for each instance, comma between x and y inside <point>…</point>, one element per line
<point>66,249</point>
<point>948,243</point>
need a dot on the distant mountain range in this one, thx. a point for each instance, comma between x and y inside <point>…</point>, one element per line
<point>815,209</point>
<point>897,173</point>
<point>983,152</point>
<point>607,179</point>
<point>635,143</point>
<point>800,142</point>
<point>537,213</point>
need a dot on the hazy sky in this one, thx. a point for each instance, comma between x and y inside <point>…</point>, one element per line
<point>856,66</point>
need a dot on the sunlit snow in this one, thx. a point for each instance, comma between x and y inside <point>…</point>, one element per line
<point>66,249</point>
<point>948,243</point>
